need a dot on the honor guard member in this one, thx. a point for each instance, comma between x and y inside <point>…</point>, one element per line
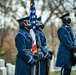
<point>65,35</point>
<point>42,69</point>
<point>23,41</point>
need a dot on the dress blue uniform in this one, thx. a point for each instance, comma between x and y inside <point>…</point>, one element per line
<point>42,68</point>
<point>65,36</point>
<point>24,57</point>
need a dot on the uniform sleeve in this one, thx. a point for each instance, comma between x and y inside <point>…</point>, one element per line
<point>38,41</point>
<point>43,39</point>
<point>43,44</point>
<point>21,47</point>
<point>64,38</point>
<point>72,35</point>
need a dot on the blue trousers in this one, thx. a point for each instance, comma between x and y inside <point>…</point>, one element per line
<point>65,71</point>
<point>42,68</point>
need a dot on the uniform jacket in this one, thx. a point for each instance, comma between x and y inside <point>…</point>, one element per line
<point>24,57</point>
<point>41,40</point>
<point>65,36</point>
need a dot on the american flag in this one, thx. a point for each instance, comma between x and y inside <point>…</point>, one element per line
<point>33,23</point>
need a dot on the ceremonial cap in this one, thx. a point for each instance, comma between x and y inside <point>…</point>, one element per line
<point>64,15</point>
<point>24,19</point>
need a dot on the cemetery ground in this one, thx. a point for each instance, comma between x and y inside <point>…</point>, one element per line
<point>58,73</point>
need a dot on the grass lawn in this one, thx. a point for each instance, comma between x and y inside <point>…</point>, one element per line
<point>58,73</point>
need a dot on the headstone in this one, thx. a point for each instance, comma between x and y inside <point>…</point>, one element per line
<point>3,71</point>
<point>10,69</point>
<point>2,63</point>
<point>13,69</point>
<point>52,66</point>
<point>73,68</point>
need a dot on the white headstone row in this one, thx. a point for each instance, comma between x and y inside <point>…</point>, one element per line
<point>53,68</point>
<point>3,71</point>
<point>2,63</point>
<point>8,70</point>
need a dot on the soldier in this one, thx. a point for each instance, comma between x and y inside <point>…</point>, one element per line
<point>43,67</point>
<point>23,41</point>
<point>65,35</point>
